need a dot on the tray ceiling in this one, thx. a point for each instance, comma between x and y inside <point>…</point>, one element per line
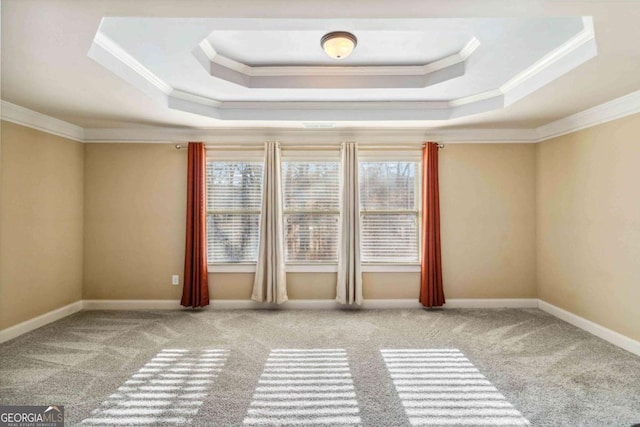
<point>402,69</point>
<point>46,67</point>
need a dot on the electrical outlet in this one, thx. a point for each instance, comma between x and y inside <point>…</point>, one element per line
<point>175,280</point>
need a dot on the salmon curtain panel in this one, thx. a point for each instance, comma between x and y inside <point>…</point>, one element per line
<point>195,291</point>
<point>431,292</point>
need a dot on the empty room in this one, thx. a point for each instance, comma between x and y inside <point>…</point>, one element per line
<point>319,212</point>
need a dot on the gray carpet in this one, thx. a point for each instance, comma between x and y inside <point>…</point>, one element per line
<point>371,368</point>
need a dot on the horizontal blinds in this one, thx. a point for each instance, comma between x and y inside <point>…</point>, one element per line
<point>311,185</point>
<point>311,237</point>
<point>232,237</point>
<point>311,203</point>
<point>234,186</point>
<point>387,185</point>
<point>311,192</point>
<point>389,238</point>
<point>234,198</point>
<point>389,211</point>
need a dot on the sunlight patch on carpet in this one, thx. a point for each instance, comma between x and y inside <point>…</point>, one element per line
<point>305,387</point>
<point>169,389</point>
<point>442,387</point>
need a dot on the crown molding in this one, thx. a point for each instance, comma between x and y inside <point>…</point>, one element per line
<point>606,112</point>
<point>562,59</point>
<point>615,109</point>
<point>313,77</point>
<point>354,70</point>
<point>23,116</point>
<point>584,37</point>
<point>123,56</point>
<point>311,136</point>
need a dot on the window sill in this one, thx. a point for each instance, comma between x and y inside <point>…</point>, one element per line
<point>317,268</point>
<point>231,268</point>
<point>311,268</point>
<point>289,268</point>
<point>391,268</point>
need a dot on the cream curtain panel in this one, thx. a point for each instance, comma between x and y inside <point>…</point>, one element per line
<point>270,283</point>
<point>349,288</point>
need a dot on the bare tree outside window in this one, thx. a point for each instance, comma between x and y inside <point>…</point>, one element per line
<point>311,191</point>
<point>389,211</point>
<point>234,198</point>
<point>312,210</point>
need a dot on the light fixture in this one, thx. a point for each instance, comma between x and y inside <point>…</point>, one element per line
<point>338,44</point>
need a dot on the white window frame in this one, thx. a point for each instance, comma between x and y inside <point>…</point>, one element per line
<point>318,156</point>
<point>249,155</point>
<point>327,155</point>
<point>372,155</point>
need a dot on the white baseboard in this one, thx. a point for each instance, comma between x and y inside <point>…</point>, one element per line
<point>298,304</point>
<point>37,322</point>
<point>310,304</point>
<point>454,303</point>
<point>131,304</point>
<point>241,305</point>
<point>600,331</point>
<point>606,334</point>
<point>383,304</point>
<point>492,303</point>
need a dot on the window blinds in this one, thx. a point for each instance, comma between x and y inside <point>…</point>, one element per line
<point>311,208</point>
<point>234,197</point>
<point>389,209</point>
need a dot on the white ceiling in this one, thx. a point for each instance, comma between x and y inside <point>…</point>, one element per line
<point>381,44</point>
<point>45,66</point>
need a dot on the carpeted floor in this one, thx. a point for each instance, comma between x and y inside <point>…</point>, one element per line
<point>370,368</point>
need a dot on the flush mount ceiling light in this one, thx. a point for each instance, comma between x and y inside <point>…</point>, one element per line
<point>338,44</point>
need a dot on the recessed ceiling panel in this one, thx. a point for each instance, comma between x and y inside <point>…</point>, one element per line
<point>392,47</point>
<point>401,69</point>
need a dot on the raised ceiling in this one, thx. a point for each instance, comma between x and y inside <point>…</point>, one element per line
<point>422,63</point>
<point>402,69</point>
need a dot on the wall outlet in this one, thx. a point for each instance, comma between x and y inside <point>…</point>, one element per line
<point>175,279</point>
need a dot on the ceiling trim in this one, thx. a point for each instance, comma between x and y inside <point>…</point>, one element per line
<point>23,116</point>
<point>583,41</point>
<point>355,70</point>
<point>123,56</point>
<point>583,37</point>
<point>606,112</point>
<point>312,136</point>
<point>615,109</point>
<point>310,76</point>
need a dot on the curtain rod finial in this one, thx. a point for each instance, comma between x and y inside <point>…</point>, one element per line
<point>437,144</point>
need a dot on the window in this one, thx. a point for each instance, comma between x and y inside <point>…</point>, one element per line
<point>390,210</point>
<point>311,209</point>
<point>234,199</point>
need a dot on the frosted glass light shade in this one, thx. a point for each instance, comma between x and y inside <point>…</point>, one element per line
<point>339,44</point>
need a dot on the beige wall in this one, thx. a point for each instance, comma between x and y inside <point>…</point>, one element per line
<point>134,226</point>
<point>391,285</point>
<point>588,218</point>
<point>563,214</point>
<point>41,199</point>
<point>487,198</point>
<point>135,196</point>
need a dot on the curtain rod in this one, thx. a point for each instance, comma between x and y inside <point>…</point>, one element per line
<point>394,147</point>
<point>309,147</point>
